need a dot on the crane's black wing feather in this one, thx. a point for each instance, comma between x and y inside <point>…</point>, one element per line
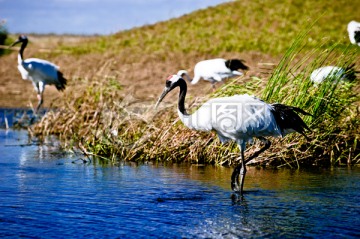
<point>62,81</point>
<point>235,64</point>
<point>287,118</point>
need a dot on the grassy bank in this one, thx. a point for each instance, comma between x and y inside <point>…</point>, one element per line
<point>102,119</point>
<point>131,129</point>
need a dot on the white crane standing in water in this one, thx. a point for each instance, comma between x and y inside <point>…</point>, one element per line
<point>40,72</point>
<point>354,32</point>
<point>215,70</point>
<point>239,118</point>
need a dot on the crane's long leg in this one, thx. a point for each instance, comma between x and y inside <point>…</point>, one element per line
<point>40,98</point>
<point>213,86</point>
<point>267,145</point>
<point>240,170</point>
<point>39,87</point>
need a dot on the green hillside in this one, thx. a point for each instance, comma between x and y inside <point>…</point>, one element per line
<point>265,26</point>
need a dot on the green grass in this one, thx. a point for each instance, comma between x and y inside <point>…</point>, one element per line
<point>265,26</point>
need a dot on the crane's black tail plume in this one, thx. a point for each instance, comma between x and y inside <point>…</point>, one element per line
<point>357,36</point>
<point>287,118</point>
<point>350,72</point>
<point>235,64</point>
<point>62,82</point>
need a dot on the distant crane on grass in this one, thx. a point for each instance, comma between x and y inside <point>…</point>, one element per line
<point>333,73</point>
<point>239,118</point>
<point>215,70</point>
<point>354,32</point>
<point>39,72</point>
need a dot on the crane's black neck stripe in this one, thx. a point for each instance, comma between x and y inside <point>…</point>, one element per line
<point>182,95</point>
<point>22,48</point>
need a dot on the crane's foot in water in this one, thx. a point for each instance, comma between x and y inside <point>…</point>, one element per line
<point>236,197</point>
<point>34,119</point>
<point>238,194</point>
<point>237,179</point>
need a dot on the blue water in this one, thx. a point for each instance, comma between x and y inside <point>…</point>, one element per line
<point>47,193</point>
<point>19,117</point>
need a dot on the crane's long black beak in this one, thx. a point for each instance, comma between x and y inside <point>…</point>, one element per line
<point>14,44</point>
<point>163,94</point>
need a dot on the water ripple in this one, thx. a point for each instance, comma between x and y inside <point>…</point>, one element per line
<point>45,195</point>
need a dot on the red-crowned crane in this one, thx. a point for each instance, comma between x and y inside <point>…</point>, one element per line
<point>239,118</point>
<point>215,70</point>
<point>354,32</point>
<point>39,72</point>
<point>333,73</point>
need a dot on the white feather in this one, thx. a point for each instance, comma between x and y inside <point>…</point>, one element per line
<point>213,70</point>
<point>233,118</point>
<point>38,70</point>
<point>331,72</point>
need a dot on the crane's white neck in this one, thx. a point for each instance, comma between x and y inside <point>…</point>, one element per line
<point>193,121</point>
<point>20,58</point>
<point>186,119</point>
<point>187,76</point>
<point>196,120</point>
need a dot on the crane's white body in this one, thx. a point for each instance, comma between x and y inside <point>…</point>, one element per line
<point>332,72</point>
<point>238,118</point>
<point>40,72</point>
<point>353,27</point>
<point>213,70</point>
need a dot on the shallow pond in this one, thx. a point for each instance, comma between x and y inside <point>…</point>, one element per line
<point>45,193</point>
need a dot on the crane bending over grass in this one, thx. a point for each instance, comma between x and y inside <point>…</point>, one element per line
<point>239,118</point>
<point>334,73</point>
<point>39,72</point>
<point>354,32</point>
<point>215,70</point>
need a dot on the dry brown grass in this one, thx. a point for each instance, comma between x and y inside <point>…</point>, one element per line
<point>143,77</point>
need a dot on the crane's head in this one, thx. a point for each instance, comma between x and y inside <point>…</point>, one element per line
<point>184,74</point>
<point>171,83</point>
<point>21,39</point>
